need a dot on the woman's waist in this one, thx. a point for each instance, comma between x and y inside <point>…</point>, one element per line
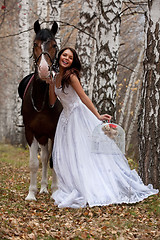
<point>69,107</point>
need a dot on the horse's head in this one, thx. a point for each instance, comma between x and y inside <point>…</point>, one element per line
<point>44,49</point>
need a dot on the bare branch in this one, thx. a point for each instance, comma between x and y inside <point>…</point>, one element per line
<point>71,25</point>
<point>64,24</point>
<point>125,67</point>
<point>130,7</point>
<point>16,34</point>
<point>140,4</point>
<point>137,3</point>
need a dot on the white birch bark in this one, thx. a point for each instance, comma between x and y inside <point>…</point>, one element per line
<point>50,11</point>
<point>104,88</point>
<point>149,118</point>
<point>24,62</point>
<point>24,37</point>
<point>55,15</point>
<point>93,60</point>
<point>98,51</point>
<point>86,43</point>
<point>42,10</point>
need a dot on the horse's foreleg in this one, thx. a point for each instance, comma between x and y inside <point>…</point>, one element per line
<point>34,165</point>
<point>54,176</point>
<point>54,181</point>
<point>44,159</point>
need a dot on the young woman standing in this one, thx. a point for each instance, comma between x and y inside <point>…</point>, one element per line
<point>86,178</point>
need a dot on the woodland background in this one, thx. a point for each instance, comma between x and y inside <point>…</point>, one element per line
<point>132,97</point>
<point>115,43</point>
<point>129,72</point>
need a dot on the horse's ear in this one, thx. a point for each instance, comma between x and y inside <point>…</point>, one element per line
<point>54,28</point>
<point>37,27</point>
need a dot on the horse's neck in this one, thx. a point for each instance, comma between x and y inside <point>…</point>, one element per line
<point>39,91</point>
<point>39,84</point>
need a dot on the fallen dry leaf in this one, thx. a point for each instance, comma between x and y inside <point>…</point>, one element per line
<point>41,220</point>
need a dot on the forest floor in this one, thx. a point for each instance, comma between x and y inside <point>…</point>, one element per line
<point>40,219</point>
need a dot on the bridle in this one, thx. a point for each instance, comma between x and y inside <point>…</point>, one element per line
<point>53,61</point>
<point>51,68</point>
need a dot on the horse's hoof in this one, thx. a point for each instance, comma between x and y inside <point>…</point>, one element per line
<point>31,197</point>
<point>53,189</point>
<point>43,190</point>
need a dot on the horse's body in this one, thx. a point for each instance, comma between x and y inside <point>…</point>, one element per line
<point>40,119</point>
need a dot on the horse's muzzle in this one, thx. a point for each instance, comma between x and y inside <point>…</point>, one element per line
<point>43,69</point>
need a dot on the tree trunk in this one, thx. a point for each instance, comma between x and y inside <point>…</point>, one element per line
<point>104,87</point>
<point>149,117</point>
<point>55,15</point>
<point>98,46</point>
<point>24,37</point>
<point>86,43</point>
<point>24,64</point>
<point>42,11</point>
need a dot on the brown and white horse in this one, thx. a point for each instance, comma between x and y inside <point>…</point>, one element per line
<point>40,119</point>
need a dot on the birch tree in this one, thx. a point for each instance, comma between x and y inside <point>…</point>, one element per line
<point>149,118</point>
<point>24,37</point>
<point>98,50</point>
<point>10,56</point>
<point>86,43</point>
<point>55,15</point>
<point>104,87</point>
<point>24,69</point>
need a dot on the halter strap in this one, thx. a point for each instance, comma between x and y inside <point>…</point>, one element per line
<point>28,85</point>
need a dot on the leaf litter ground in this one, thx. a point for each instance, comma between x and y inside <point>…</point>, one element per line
<point>40,219</point>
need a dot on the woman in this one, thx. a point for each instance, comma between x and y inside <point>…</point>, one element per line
<point>85,177</point>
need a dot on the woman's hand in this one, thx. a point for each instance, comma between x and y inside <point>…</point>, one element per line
<point>49,80</point>
<point>105,117</point>
<point>52,95</point>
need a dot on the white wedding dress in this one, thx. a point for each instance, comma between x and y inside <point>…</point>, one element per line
<point>84,177</point>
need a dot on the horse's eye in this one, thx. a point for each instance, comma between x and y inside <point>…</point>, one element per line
<point>54,45</point>
<point>35,45</point>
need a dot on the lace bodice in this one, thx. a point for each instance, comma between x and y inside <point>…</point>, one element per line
<point>69,99</point>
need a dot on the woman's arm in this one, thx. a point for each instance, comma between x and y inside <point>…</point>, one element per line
<point>52,95</point>
<point>85,99</point>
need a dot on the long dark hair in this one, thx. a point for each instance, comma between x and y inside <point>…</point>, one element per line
<point>75,67</point>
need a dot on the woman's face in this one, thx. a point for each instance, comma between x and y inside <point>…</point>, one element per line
<point>66,59</point>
